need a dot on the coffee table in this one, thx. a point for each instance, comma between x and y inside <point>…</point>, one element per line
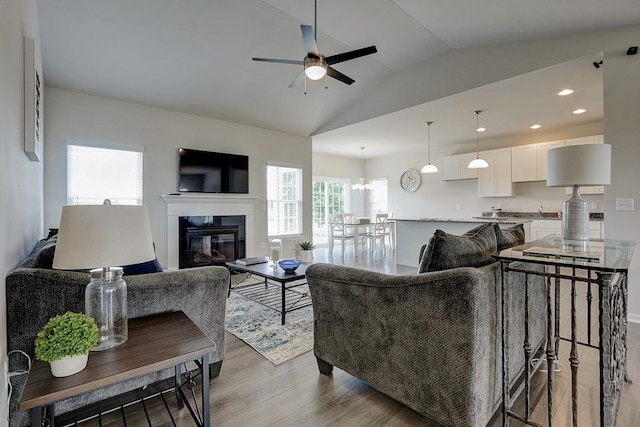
<point>155,343</point>
<point>290,297</point>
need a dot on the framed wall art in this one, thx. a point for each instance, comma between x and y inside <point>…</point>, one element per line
<point>33,101</point>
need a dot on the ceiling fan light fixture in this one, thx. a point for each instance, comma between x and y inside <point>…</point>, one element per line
<point>315,68</point>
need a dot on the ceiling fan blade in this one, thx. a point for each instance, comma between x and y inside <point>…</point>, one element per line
<point>280,61</point>
<point>297,80</point>
<point>332,72</point>
<point>345,56</point>
<point>309,41</point>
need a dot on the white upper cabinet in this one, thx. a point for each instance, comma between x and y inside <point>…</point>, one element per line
<point>541,150</point>
<point>529,162</point>
<point>524,163</point>
<point>455,167</point>
<point>495,181</point>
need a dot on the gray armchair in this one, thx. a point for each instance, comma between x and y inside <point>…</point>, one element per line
<point>430,341</point>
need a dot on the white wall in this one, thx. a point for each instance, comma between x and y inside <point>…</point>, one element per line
<point>622,131</point>
<point>75,116</point>
<point>20,179</point>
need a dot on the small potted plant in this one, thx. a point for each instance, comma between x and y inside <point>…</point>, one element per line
<point>65,342</point>
<point>306,251</point>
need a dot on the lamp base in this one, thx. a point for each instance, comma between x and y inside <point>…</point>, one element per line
<point>106,303</point>
<point>575,219</point>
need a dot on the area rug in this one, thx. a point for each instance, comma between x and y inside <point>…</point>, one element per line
<point>260,327</point>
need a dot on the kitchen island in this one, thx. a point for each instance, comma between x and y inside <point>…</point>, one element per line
<point>411,234</point>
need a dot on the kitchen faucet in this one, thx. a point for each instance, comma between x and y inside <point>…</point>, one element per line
<point>541,211</point>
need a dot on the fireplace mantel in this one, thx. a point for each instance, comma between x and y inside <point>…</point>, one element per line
<point>205,205</point>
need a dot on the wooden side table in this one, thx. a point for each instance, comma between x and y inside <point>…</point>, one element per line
<point>155,342</point>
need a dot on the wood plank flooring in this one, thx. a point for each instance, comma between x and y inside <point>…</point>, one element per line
<point>251,391</point>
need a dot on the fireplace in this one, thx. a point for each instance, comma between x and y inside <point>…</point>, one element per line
<point>211,240</point>
<point>180,206</point>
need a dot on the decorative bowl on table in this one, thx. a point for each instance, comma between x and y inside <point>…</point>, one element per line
<point>289,265</point>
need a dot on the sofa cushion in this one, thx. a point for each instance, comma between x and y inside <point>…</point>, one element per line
<point>510,236</point>
<point>472,249</point>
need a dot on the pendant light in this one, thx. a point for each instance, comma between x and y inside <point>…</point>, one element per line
<point>429,168</point>
<point>362,185</point>
<point>478,163</point>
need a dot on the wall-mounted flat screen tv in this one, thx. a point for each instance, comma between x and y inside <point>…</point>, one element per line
<point>210,172</point>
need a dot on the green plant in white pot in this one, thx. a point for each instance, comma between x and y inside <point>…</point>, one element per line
<point>65,342</point>
<point>306,251</point>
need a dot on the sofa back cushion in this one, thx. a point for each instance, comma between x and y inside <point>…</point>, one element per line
<point>510,236</point>
<point>472,249</point>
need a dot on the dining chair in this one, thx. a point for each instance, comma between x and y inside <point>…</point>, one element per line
<point>339,232</point>
<point>378,233</point>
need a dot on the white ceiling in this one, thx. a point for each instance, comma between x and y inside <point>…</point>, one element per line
<point>194,56</point>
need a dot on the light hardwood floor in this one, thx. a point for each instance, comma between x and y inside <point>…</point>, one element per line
<point>251,391</point>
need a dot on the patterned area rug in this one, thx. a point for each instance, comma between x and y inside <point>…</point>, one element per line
<point>260,327</point>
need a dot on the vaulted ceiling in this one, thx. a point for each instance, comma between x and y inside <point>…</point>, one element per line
<point>194,56</point>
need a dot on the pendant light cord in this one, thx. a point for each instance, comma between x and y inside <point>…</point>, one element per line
<point>477,136</point>
<point>429,141</point>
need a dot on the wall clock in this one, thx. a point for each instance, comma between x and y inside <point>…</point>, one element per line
<point>410,180</point>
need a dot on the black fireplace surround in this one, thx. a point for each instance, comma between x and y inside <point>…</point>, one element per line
<point>211,240</point>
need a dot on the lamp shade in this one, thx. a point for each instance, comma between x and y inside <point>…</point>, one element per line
<point>588,164</point>
<point>96,236</point>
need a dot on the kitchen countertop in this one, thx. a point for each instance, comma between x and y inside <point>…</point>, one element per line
<point>475,220</point>
<point>593,216</point>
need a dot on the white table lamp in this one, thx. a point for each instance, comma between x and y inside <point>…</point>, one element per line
<point>575,166</point>
<point>97,238</point>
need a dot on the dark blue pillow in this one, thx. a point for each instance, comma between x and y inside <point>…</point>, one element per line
<point>142,268</point>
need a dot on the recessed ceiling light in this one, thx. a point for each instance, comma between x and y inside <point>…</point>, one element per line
<point>481,129</point>
<point>536,126</point>
<point>565,92</point>
<point>580,111</point>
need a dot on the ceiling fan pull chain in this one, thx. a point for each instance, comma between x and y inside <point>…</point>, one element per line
<point>326,80</point>
<point>305,83</point>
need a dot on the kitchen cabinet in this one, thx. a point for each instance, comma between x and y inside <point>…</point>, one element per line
<point>529,162</point>
<point>455,167</point>
<point>524,163</point>
<point>495,181</point>
<point>543,227</point>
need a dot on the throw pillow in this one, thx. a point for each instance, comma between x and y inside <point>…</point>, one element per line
<point>45,255</point>
<point>509,237</point>
<point>472,249</point>
<point>152,266</point>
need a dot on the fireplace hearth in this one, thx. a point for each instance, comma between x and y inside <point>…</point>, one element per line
<point>211,240</point>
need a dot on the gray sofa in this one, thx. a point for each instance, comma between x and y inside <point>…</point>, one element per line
<point>430,340</point>
<point>35,293</point>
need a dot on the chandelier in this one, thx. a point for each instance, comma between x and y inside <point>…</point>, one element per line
<point>362,185</point>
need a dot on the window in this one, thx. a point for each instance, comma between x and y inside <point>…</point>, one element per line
<point>378,196</point>
<point>284,201</point>
<point>95,174</point>
<point>330,196</point>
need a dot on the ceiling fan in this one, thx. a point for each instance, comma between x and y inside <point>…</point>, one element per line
<point>316,65</point>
